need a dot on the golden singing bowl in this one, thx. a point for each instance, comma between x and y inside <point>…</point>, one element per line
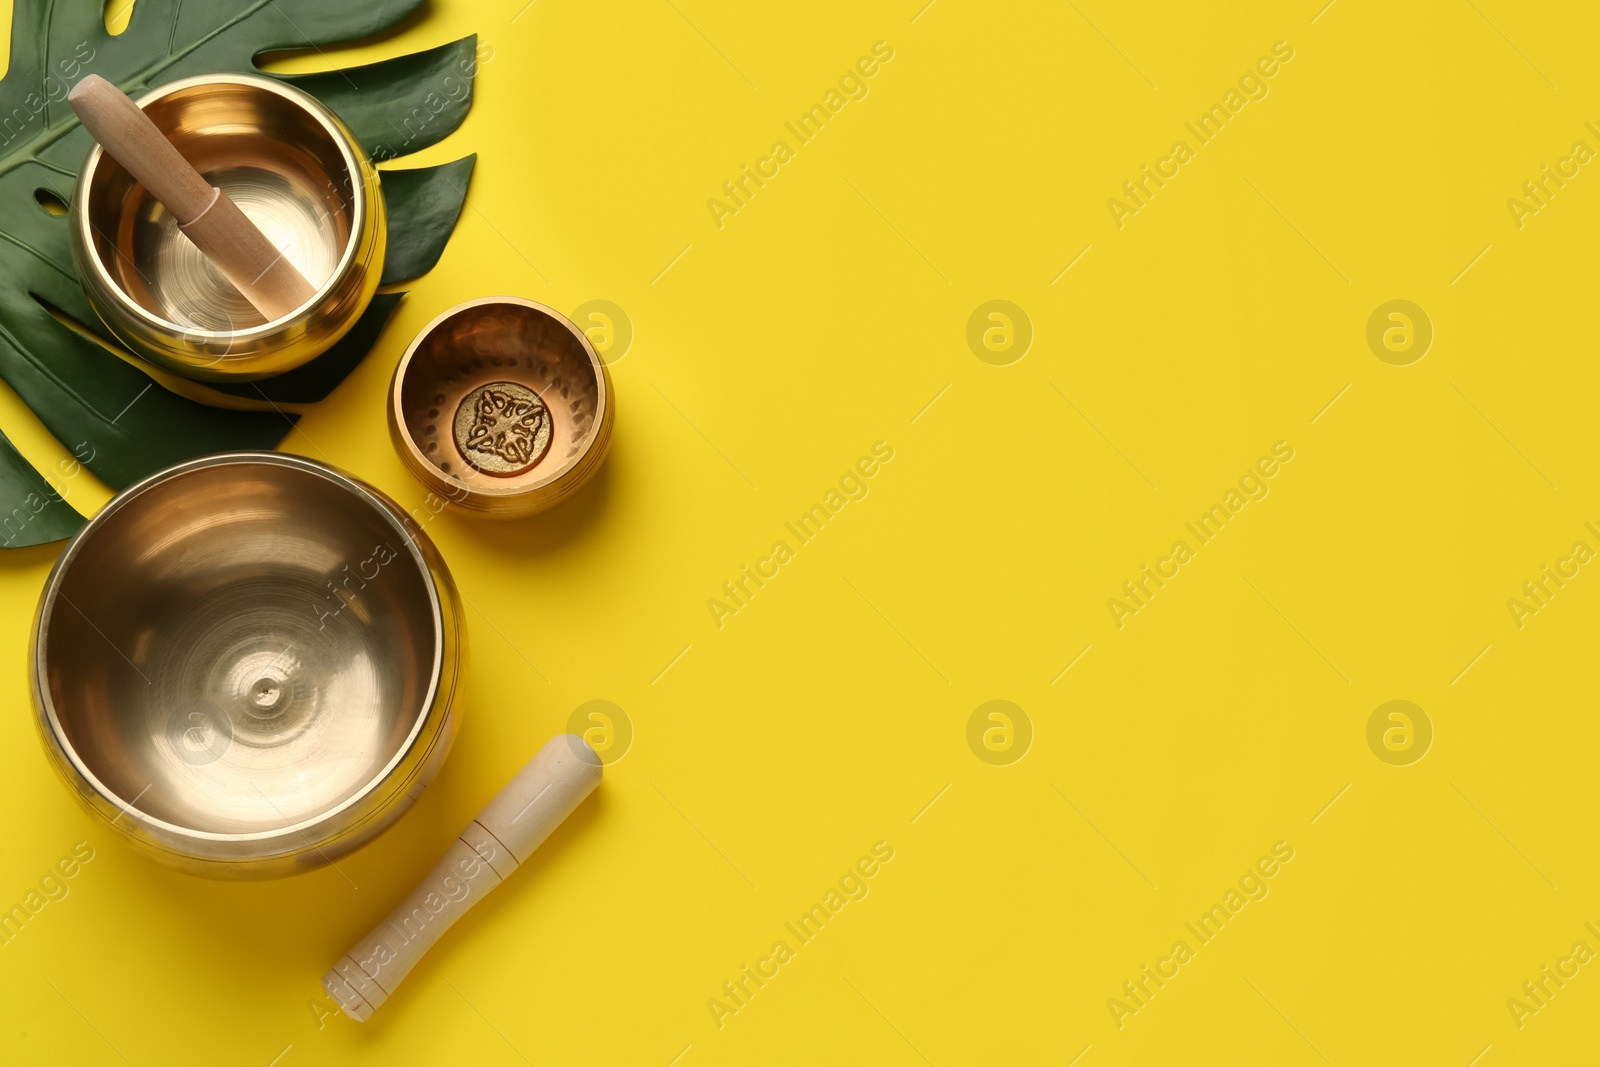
<point>501,407</point>
<point>247,664</point>
<point>294,169</point>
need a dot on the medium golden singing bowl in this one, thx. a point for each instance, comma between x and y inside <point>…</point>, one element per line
<point>501,407</point>
<point>247,664</point>
<point>294,169</point>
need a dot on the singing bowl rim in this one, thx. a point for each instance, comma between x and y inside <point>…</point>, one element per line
<point>360,492</point>
<point>307,103</point>
<point>461,489</point>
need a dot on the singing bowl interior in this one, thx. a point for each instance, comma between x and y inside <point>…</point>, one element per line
<point>464,397</point>
<point>286,167</point>
<point>240,648</point>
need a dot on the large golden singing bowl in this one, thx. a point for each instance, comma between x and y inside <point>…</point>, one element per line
<point>294,169</point>
<point>246,664</point>
<point>501,407</point>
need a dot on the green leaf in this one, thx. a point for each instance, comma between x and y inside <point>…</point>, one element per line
<point>93,402</point>
<point>423,207</point>
<point>40,515</point>
<point>400,105</point>
<point>109,411</point>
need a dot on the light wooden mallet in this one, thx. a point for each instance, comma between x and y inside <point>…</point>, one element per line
<point>501,838</point>
<point>206,216</point>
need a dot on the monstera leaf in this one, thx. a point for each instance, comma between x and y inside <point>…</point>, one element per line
<point>116,420</point>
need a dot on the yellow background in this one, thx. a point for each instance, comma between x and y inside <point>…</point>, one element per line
<point>826,715</point>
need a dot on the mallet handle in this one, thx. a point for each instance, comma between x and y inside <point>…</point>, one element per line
<point>493,845</point>
<point>207,217</point>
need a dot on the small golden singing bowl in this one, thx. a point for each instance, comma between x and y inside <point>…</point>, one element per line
<point>247,664</point>
<point>502,407</point>
<point>294,169</point>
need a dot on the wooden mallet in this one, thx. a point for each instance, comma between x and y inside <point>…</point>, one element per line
<point>206,216</point>
<point>493,845</point>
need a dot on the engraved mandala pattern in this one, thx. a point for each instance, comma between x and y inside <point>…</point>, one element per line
<point>503,428</point>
